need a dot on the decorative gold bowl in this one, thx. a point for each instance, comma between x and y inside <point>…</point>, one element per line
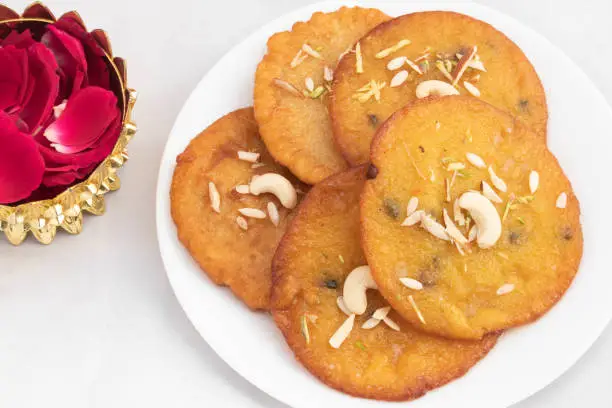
<point>43,218</point>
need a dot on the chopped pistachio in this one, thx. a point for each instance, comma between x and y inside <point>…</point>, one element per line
<point>525,199</point>
<point>360,345</point>
<point>317,92</point>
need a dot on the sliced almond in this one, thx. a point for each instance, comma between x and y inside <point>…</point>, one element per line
<point>458,214</point>
<point>252,213</point>
<point>414,66</point>
<point>462,65</point>
<point>475,63</point>
<point>309,84</point>
<point>455,166</point>
<point>286,86</point>
<point>298,59</point>
<point>413,204</point>
<point>328,74</point>
<point>358,59</point>
<point>534,181</point>
<point>471,89</point>
<point>391,324</point>
<point>370,323</point>
<point>442,68</point>
<point>475,160</point>
<point>304,329</point>
<point>505,289</point>
<point>497,181</point>
<point>396,63</point>
<point>250,157</point>
<point>413,219</point>
<point>562,200</point>
<point>342,306</point>
<point>343,332</point>
<point>488,192</point>
<point>433,227</point>
<point>311,51</point>
<point>215,197</point>
<point>273,213</point>
<point>411,283</point>
<point>416,309</point>
<point>349,49</point>
<point>399,78</point>
<point>388,51</point>
<point>453,231</point>
<point>242,223</point>
<point>381,313</point>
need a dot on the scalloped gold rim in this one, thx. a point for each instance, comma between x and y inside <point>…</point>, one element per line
<point>65,211</point>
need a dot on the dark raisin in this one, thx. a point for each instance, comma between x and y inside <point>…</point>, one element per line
<point>422,149</point>
<point>523,105</point>
<point>567,233</point>
<point>372,172</point>
<point>373,119</point>
<point>331,284</point>
<point>435,262</point>
<point>429,276</point>
<point>514,237</point>
<point>392,208</point>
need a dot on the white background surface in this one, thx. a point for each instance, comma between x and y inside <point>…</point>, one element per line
<point>91,320</point>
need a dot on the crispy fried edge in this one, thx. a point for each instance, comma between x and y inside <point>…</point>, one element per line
<point>318,171</point>
<point>179,175</point>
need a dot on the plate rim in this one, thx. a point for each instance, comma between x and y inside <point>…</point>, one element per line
<point>162,201</point>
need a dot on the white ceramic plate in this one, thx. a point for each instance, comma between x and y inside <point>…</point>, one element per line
<point>526,359</point>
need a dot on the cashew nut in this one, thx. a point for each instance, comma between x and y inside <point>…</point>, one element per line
<point>277,185</point>
<point>435,88</point>
<point>355,286</point>
<point>485,217</point>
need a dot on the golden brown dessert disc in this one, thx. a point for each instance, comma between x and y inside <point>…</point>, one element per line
<point>321,247</point>
<point>292,86</point>
<point>440,42</point>
<point>522,257</point>
<point>229,255</point>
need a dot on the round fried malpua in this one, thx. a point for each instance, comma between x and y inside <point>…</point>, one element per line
<point>436,37</point>
<point>229,255</point>
<point>295,123</point>
<point>437,150</point>
<point>320,249</point>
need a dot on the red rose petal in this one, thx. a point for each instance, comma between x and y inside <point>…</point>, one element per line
<point>87,115</point>
<point>13,78</point>
<point>20,40</point>
<point>98,73</point>
<point>21,164</point>
<point>42,73</point>
<point>70,56</point>
<point>79,165</point>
